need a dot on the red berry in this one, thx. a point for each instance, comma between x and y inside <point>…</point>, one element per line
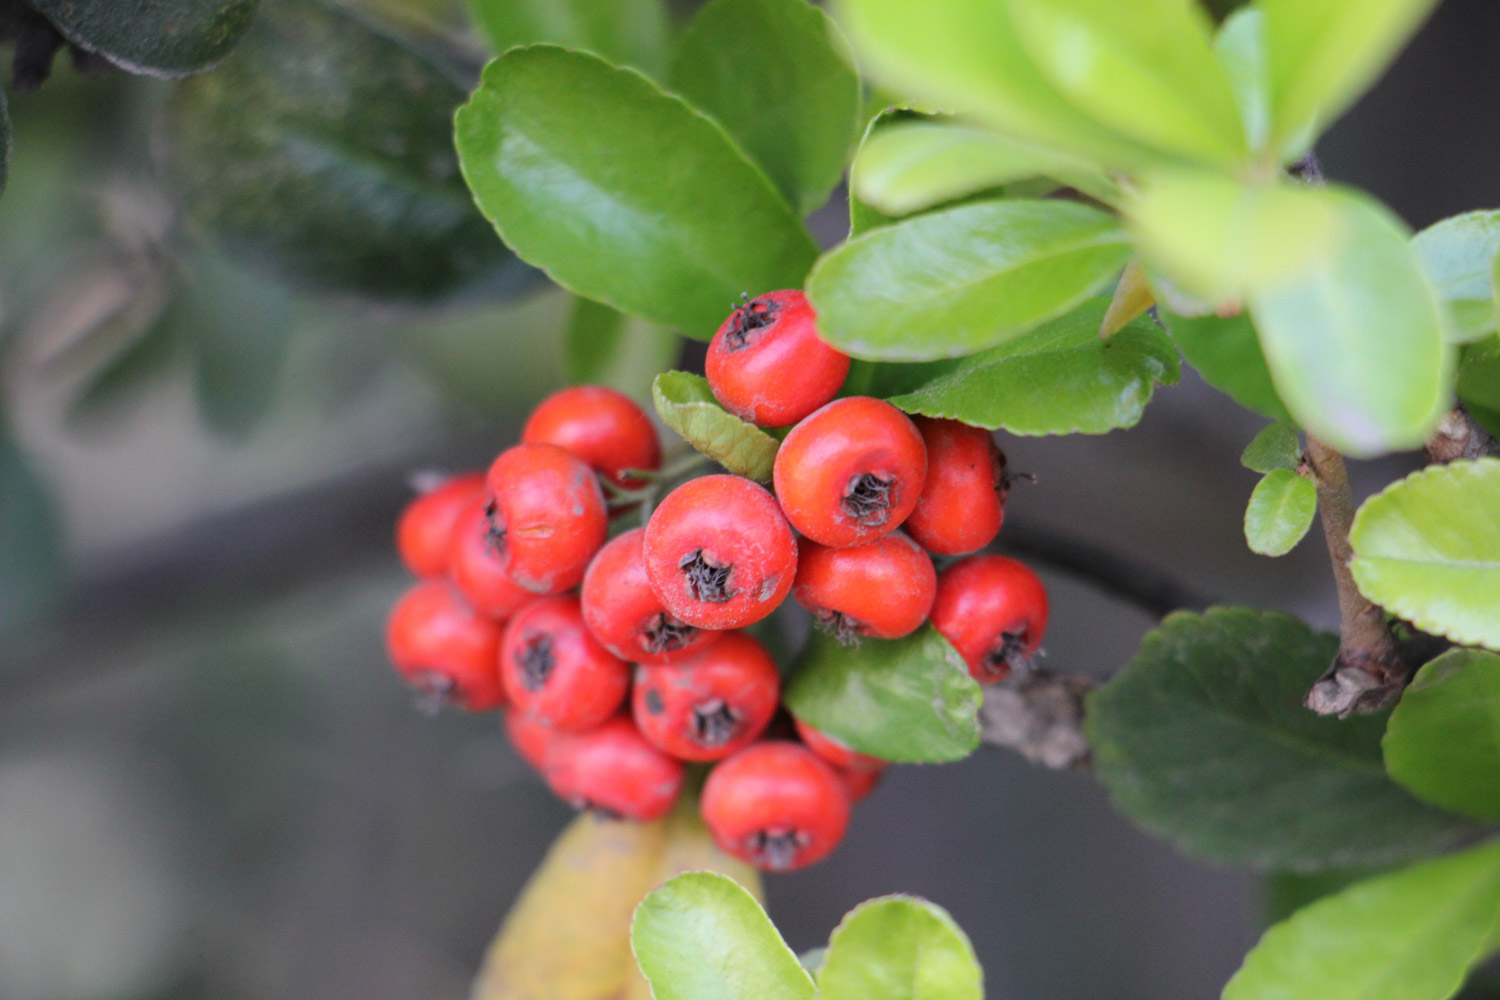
<point>710,705</point>
<point>530,737</point>
<point>777,805</point>
<point>883,589</point>
<point>553,669</point>
<point>719,553</point>
<point>444,648</point>
<point>601,426</point>
<point>426,524</point>
<point>477,568</point>
<point>624,613</point>
<point>835,751</point>
<point>963,502</point>
<point>548,516</point>
<point>613,769</point>
<point>767,363</point>
<point>851,472</point>
<point>994,611</point>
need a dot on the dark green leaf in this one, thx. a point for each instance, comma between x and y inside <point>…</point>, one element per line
<point>1479,378</point>
<point>241,330</point>
<point>1459,256</point>
<point>168,38</point>
<point>1428,549</point>
<point>1285,893</point>
<point>777,75</point>
<point>686,404</point>
<point>603,347</point>
<point>1203,739</point>
<point>960,280</point>
<point>1281,510</point>
<point>31,573</point>
<point>899,948</point>
<point>1226,352</point>
<point>1443,741</point>
<point>623,193</point>
<point>1059,379</point>
<point>626,32</point>
<point>908,699</point>
<point>702,937</point>
<point>323,151</point>
<point>1275,447</point>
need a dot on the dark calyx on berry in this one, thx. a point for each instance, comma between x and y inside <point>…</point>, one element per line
<point>714,723</point>
<point>846,629</point>
<point>536,662</point>
<point>777,850</point>
<point>654,704</point>
<point>707,580</point>
<point>1007,656</point>
<point>494,530</point>
<point>434,691</point>
<point>666,634</point>
<point>754,315</point>
<point>868,499</point>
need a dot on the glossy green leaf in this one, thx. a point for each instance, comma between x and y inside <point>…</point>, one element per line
<point>1226,352</point>
<point>965,55</point>
<point>1410,935</point>
<point>626,32</point>
<point>166,38</point>
<point>1324,53</point>
<point>1275,447</point>
<point>1443,740</point>
<point>899,948</point>
<point>623,193</point>
<point>778,76</point>
<point>1355,344</point>
<point>687,405</point>
<point>963,279</point>
<point>702,937</point>
<point>1203,740</point>
<point>1459,256</point>
<point>1219,239</point>
<point>908,699</point>
<point>1240,47</point>
<point>862,215</point>
<point>1145,69</point>
<point>31,574</point>
<point>1280,511</point>
<point>1428,549</point>
<point>323,152</point>
<point>1058,379</point>
<point>601,346</point>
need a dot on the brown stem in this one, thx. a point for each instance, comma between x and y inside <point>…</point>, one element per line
<point>1460,436</point>
<point>1368,673</point>
<point>1040,715</point>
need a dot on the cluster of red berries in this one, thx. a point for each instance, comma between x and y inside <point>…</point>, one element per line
<point>620,662</point>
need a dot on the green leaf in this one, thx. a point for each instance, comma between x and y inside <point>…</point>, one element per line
<point>1144,69</point>
<point>111,391</point>
<point>1479,378</point>
<point>623,193</point>
<point>1219,239</point>
<point>908,699</point>
<point>1226,352</point>
<point>702,937</point>
<point>31,574</point>
<point>1410,935</point>
<point>899,948</point>
<point>1203,740</point>
<point>626,32</point>
<point>1355,344</point>
<point>241,330</point>
<point>1324,54</point>
<point>1275,447</point>
<point>687,405</point>
<point>862,215</point>
<point>1058,379</point>
<point>1281,510</point>
<point>603,347</point>
<point>1443,740</point>
<point>323,152</point>
<point>1428,549</point>
<point>4,142</point>
<point>166,38</point>
<point>1459,256</point>
<point>778,76</point>
<point>963,279</point>
<point>1240,47</point>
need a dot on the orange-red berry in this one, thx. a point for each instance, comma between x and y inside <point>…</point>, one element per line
<point>882,589</point>
<point>767,364</point>
<point>603,427</point>
<point>777,805</point>
<point>444,648</point>
<point>711,704</point>
<point>547,513</point>
<point>963,502</point>
<point>994,611</point>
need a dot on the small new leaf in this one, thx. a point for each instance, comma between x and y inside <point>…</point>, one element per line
<point>687,405</point>
<point>1275,447</point>
<point>899,948</point>
<point>1280,511</point>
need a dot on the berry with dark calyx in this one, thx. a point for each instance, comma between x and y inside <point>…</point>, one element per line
<point>603,427</point>
<point>851,472</point>
<point>476,568</point>
<point>554,670</point>
<point>613,769</point>
<point>547,516</point>
<point>426,524</point>
<point>963,502</point>
<point>530,737</point>
<point>883,589</point>
<point>834,751</point>
<point>711,704</point>
<point>767,365</point>
<point>719,553</point>
<point>776,805</point>
<point>623,612</point>
<point>445,649</point>
<point>993,609</point>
